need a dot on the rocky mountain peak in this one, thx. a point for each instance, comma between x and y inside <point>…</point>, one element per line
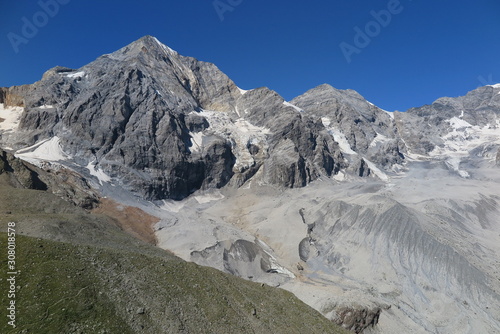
<point>438,125</point>
<point>147,46</point>
<point>327,88</point>
<point>55,71</point>
<point>355,123</point>
<point>166,125</point>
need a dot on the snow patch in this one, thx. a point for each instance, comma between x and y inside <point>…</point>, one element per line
<point>326,122</point>
<point>465,137</point>
<point>166,48</point>
<point>338,136</point>
<point>239,133</point>
<point>274,264</point>
<point>390,113</point>
<point>207,198</point>
<point>495,85</point>
<point>10,118</point>
<point>196,142</point>
<point>462,139</point>
<point>454,164</point>
<point>97,172</point>
<point>381,175</point>
<point>379,139</point>
<point>247,127</point>
<point>340,176</point>
<point>76,75</point>
<point>288,104</point>
<point>242,91</point>
<point>458,123</point>
<point>48,106</point>
<point>45,150</point>
<point>172,206</point>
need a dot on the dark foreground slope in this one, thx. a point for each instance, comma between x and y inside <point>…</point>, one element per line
<point>79,273</point>
<point>65,288</point>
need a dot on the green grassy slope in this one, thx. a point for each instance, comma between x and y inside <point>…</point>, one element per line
<point>65,288</point>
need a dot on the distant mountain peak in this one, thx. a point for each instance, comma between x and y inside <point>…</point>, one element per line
<point>150,41</point>
<point>328,89</point>
<point>147,45</point>
<point>164,46</point>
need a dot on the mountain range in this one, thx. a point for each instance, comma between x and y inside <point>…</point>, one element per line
<point>384,222</point>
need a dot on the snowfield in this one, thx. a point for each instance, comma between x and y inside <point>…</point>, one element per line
<point>338,136</point>
<point>10,118</point>
<point>98,173</point>
<point>76,75</point>
<point>240,133</point>
<point>45,150</point>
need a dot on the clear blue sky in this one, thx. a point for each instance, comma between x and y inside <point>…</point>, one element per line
<point>428,50</point>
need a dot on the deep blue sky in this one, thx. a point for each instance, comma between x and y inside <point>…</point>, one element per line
<point>428,50</point>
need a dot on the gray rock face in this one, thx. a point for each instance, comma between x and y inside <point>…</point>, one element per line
<point>133,113</point>
<point>359,167</point>
<point>357,319</point>
<point>300,149</point>
<point>422,128</point>
<point>347,112</point>
<point>63,183</point>
<point>19,174</point>
<point>113,112</point>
